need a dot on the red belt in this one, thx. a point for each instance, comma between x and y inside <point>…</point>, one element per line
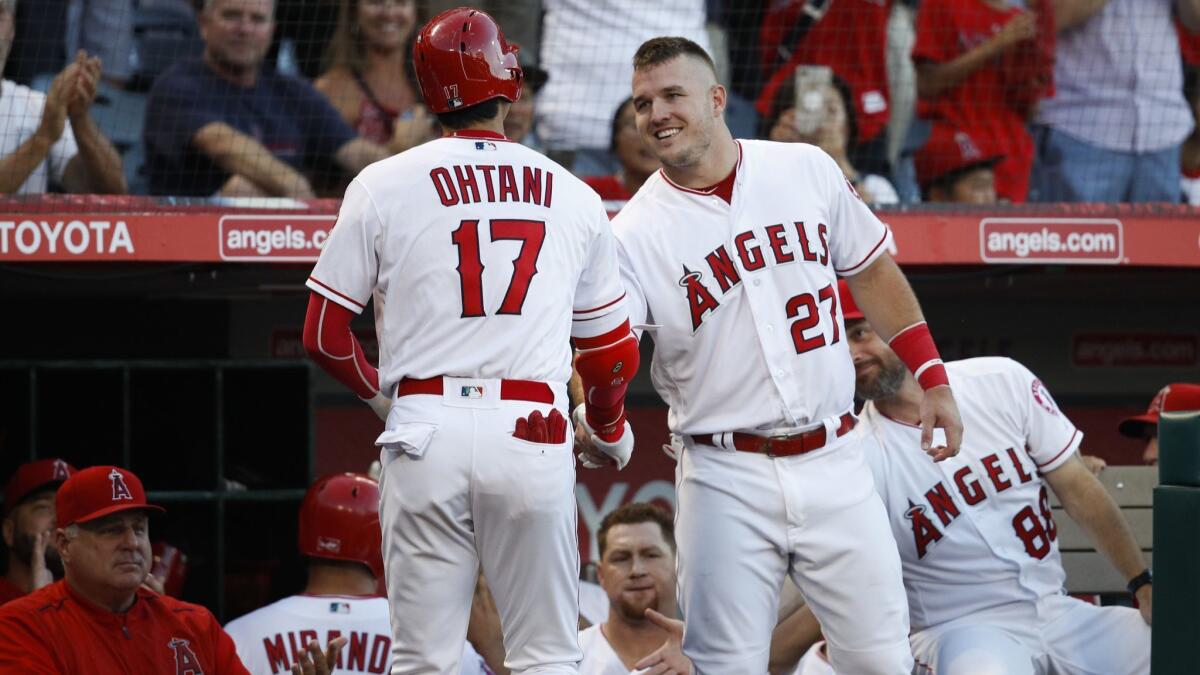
<point>782,446</point>
<point>510,390</point>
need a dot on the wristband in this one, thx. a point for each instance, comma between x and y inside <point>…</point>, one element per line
<point>914,345</point>
<point>1143,579</point>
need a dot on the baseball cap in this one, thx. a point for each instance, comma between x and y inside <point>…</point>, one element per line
<point>99,491</point>
<point>850,310</point>
<point>948,150</point>
<point>1173,397</point>
<point>33,476</point>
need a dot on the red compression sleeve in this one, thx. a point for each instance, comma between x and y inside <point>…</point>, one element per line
<point>332,345</point>
<point>606,363</point>
<point>914,345</point>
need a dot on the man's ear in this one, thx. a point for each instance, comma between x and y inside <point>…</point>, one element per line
<point>720,99</point>
<point>10,529</point>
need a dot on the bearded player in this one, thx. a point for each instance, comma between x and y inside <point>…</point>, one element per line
<point>976,537</point>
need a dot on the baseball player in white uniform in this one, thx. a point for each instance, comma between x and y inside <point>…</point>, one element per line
<point>975,533</point>
<point>730,256</point>
<point>484,259</point>
<point>339,524</point>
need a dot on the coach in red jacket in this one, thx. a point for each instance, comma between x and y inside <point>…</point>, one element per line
<point>99,619</point>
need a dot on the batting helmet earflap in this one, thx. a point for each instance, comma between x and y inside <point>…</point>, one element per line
<point>462,59</point>
<point>339,520</point>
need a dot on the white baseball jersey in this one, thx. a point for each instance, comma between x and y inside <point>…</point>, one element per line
<point>593,602</point>
<point>975,531</point>
<point>268,639</point>
<point>741,297</point>
<point>598,655</point>
<point>475,250</point>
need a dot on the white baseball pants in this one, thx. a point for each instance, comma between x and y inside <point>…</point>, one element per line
<point>458,491</point>
<point>744,520</point>
<point>1057,635</point>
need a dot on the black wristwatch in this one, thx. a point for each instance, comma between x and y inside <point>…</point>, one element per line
<point>1140,580</point>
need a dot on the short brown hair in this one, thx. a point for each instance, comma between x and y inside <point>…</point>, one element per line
<point>662,49</point>
<point>634,513</point>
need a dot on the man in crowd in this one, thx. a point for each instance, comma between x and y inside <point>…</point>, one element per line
<point>340,537</point>
<point>951,168</point>
<point>222,124</point>
<point>979,546</point>
<point>29,527</point>
<point>1177,396</point>
<point>51,138</point>
<point>1113,128</point>
<point>637,571</point>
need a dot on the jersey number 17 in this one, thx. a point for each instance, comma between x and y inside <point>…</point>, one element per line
<point>531,234</point>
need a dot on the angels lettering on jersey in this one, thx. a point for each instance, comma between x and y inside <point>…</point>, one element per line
<point>718,274</point>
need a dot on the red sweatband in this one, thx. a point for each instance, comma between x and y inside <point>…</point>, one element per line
<point>914,345</point>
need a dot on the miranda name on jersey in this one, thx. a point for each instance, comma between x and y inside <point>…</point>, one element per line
<point>724,270</point>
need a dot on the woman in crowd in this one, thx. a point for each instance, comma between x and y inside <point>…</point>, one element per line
<point>369,73</point>
<point>835,132</point>
<point>636,160</point>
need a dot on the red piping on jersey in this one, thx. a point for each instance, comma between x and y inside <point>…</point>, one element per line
<point>332,345</point>
<point>337,292</point>
<point>610,338</point>
<point>1060,452</point>
<point>597,309</point>
<point>338,595</point>
<point>900,422</point>
<point>479,134</point>
<point>711,189</point>
<point>850,270</point>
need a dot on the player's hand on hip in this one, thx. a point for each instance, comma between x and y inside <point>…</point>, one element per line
<point>312,661</point>
<point>1143,595</point>
<point>938,410</point>
<point>667,659</point>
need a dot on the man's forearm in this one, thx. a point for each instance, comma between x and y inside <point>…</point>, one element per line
<point>359,153</point>
<point>1089,505</point>
<point>935,78</point>
<point>885,298</point>
<point>241,155</point>
<point>1070,13</point>
<point>791,639</point>
<point>100,160</point>
<point>16,167</point>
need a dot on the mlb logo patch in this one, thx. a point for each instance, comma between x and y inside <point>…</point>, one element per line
<point>339,608</point>
<point>472,391</point>
<point>485,145</point>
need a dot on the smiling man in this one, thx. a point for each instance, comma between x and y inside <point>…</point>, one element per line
<point>730,257</point>
<point>637,571</point>
<point>100,619</point>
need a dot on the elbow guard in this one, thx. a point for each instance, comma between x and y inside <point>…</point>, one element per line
<point>606,365</point>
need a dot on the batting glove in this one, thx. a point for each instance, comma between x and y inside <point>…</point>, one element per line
<point>619,450</point>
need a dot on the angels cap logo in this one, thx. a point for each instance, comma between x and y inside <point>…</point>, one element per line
<point>330,544</point>
<point>120,491</point>
<point>61,472</point>
<point>186,662</point>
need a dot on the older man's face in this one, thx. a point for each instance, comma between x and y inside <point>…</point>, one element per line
<point>237,33</point>
<point>110,554</point>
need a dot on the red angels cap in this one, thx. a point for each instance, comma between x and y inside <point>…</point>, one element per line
<point>99,491</point>
<point>33,476</point>
<point>850,310</point>
<point>1173,397</point>
<point>948,150</point>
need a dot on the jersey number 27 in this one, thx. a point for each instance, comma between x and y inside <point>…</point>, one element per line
<point>531,234</point>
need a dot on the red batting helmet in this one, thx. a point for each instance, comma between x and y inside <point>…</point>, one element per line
<point>462,59</point>
<point>339,519</point>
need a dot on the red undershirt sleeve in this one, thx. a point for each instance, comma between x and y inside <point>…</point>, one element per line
<point>332,345</point>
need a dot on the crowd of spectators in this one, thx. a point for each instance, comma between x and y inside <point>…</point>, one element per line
<point>1022,100</point>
